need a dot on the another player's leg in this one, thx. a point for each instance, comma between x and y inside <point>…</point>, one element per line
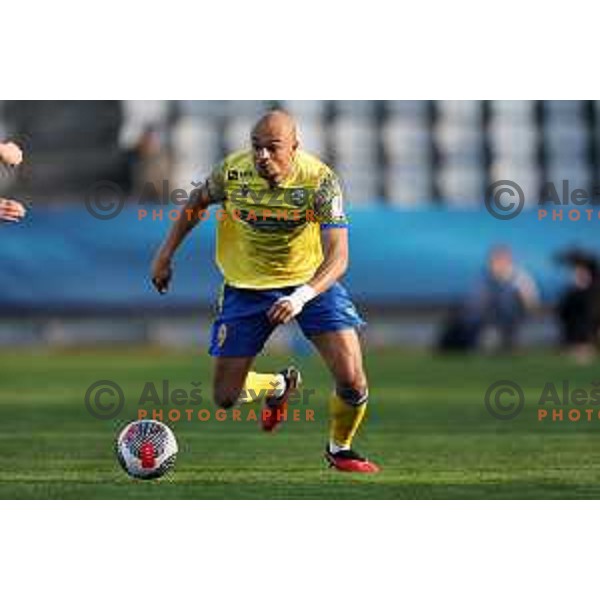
<point>342,353</point>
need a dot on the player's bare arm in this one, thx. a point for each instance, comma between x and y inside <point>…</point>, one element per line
<point>11,154</point>
<point>162,269</point>
<point>335,263</point>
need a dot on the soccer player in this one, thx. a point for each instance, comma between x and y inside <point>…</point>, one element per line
<point>282,246</point>
<point>11,210</point>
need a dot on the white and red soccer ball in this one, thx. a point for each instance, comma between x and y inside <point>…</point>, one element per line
<point>146,449</point>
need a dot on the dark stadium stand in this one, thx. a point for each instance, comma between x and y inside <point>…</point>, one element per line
<point>410,153</point>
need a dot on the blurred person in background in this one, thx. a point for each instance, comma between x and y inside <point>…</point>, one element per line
<point>149,166</point>
<point>12,155</point>
<point>497,304</point>
<point>578,309</point>
<point>502,298</point>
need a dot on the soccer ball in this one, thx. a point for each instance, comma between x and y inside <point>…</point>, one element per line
<point>146,449</point>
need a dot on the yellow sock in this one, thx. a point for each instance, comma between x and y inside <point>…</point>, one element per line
<point>345,420</point>
<point>260,385</point>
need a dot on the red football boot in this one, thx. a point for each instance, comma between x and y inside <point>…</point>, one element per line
<point>348,460</point>
<point>274,411</point>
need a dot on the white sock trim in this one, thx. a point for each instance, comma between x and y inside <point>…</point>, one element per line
<point>280,386</point>
<point>333,447</point>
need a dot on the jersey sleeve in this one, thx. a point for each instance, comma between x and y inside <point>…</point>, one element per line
<point>329,203</point>
<point>215,184</point>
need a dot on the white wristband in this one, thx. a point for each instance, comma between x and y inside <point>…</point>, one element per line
<point>303,294</point>
<point>299,297</point>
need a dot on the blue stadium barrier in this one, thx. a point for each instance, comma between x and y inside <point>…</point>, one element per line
<point>62,259</point>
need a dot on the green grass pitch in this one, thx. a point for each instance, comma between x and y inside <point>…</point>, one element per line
<point>427,427</point>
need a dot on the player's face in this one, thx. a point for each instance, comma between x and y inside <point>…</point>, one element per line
<point>273,152</point>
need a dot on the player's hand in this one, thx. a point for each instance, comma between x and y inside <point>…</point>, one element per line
<point>11,154</point>
<point>162,272</point>
<point>287,307</point>
<point>11,210</point>
<point>282,311</point>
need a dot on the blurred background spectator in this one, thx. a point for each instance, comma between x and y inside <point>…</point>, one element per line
<point>495,307</point>
<point>579,306</point>
<point>502,298</point>
<point>150,167</point>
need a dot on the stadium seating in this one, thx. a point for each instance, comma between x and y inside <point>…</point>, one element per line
<point>140,114</point>
<point>462,184</point>
<point>237,131</point>
<point>513,143</point>
<point>196,145</point>
<point>355,155</point>
<point>407,146</point>
<point>71,143</point>
<point>407,153</point>
<point>459,141</point>
<point>306,109</point>
<point>566,142</point>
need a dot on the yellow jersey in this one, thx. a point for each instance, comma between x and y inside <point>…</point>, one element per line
<point>269,236</point>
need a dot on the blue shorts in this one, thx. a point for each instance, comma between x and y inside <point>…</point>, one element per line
<point>242,326</point>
